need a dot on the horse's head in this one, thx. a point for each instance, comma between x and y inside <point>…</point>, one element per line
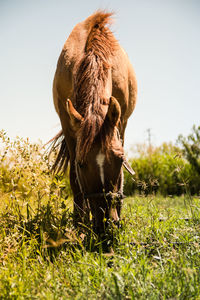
<point>100,174</point>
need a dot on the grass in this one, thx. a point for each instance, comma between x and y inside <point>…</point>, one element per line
<point>156,255</point>
<point>42,256</point>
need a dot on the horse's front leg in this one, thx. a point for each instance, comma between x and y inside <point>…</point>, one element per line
<point>81,209</point>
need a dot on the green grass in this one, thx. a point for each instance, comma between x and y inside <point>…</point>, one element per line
<point>156,254</point>
<point>42,256</point>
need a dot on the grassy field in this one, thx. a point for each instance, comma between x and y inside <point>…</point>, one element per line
<point>156,254</point>
<point>156,249</point>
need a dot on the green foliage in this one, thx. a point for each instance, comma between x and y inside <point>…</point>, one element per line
<point>42,256</point>
<point>162,170</point>
<point>191,146</point>
<point>156,256</point>
<point>25,171</point>
<point>28,190</point>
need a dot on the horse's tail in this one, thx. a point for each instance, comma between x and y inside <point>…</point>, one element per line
<point>91,76</point>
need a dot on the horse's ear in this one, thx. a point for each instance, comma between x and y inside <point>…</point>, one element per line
<point>75,117</point>
<point>114,111</point>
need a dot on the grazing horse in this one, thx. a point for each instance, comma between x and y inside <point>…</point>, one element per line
<point>94,93</point>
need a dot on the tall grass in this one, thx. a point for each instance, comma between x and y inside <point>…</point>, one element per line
<point>42,256</point>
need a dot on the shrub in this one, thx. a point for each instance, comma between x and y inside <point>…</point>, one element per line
<point>25,173</point>
<point>191,147</point>
<point>162,169</point>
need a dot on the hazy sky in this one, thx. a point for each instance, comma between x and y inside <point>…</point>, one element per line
<point>161,37</point>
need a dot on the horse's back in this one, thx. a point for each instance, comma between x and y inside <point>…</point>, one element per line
<point>124,86</point>
<point>72,51</point>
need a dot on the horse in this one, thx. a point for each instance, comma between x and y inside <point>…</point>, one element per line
<point>94,92</point>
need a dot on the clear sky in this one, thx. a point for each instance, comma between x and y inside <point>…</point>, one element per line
<point>161,37</point>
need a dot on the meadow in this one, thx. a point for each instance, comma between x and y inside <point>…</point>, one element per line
<point>156,250</point>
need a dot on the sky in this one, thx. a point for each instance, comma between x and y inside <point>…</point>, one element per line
<point>161,38</point>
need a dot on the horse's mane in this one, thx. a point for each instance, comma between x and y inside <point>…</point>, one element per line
<point>90,77</point>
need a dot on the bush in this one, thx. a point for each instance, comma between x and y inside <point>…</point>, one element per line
<point>191,147</point>
<point>163,169</point>
<point>25,173</point>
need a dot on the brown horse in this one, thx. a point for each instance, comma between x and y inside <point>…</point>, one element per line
<point>94,72</point>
